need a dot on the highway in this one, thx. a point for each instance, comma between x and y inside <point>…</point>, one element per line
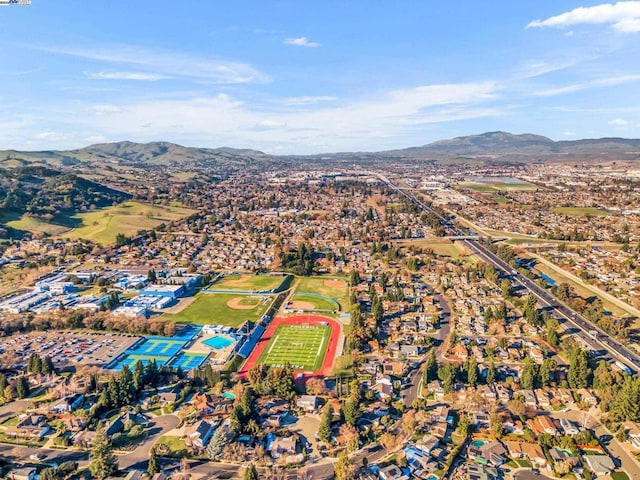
<point>589,333</point>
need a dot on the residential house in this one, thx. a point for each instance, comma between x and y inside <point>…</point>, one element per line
<point>84,439</point>
<point>558,455</point>
<point>481,419</point>
<point>588,397</point>
<point>599,464</point>
<point>489,453</point>
<point>116,426</point>
<point>391,472</point>
<point>68,404</point>
<point>279,446</point>
<point>309,403</point>
<point>481,472</point>
<point>410,350</point>
<point>198,434</point>
<point>74,424</point>
<point>29,427</point>
<point>569,427</point>
<point>532,451</point>
<point>543,398</point>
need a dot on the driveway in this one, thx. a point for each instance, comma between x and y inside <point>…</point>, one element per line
<point>307,427</point>
<point>140,456</point>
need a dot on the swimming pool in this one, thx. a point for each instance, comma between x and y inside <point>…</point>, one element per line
<point>218,342</point>
<point>478,443</point>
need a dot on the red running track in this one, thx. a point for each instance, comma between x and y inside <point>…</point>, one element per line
<point>329,356</point>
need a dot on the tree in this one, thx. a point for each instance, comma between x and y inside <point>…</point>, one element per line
<point>47,365</point>
<point>447,374</point>
<point>388,440</point>
<point>464,426</point>
<point>324,429</point>
<point>351,411</point>
<point>22,387</point>
<point>431,367</point>
<point>491,373</point>
<point>343,470</point>
<point>251,473</point>
<point>472,372</point>
<point>104,463</point>
<point>216,444</point>
<point>48,474</point>
<point>547,367</point>
<point>579,371</point>
<point>151,276</point>
<point>315,386</point>
<point>153,467</point>
<point>528,376</point>
<point>552,332</point>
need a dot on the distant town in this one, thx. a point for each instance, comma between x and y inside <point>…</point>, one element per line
<point>402,320</point>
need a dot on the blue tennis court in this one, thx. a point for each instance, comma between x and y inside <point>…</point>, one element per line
<point>131,360</point>
<point>164,347</point>
<point>188,361</point>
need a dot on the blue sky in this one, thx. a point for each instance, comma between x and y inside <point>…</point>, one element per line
<point>315,76</point>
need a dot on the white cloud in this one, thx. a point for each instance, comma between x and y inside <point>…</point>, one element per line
<point>568,134</point>
<point>618,122</point>
<point>601,82</point>
<point>537,68</point>
<point>387,120</point>
<point>305,100</point>
<point>104,109</point>
<point>270,124</point>
<point>146,77</point>
<point>91,139</point>
<point>301,42</point>
<point>622,16</point>
<point>167,63</point>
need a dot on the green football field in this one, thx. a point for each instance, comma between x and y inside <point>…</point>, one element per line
<point>302,346</point>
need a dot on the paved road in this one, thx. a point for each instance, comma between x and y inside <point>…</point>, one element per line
<point>445,325</point>
<point>529,475</point>
<point>590,334</point>
<point>139,458</point>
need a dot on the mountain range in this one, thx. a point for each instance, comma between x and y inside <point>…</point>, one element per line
<point>490,144</point>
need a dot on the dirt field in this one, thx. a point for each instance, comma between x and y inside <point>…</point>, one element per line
<point>239,279</point>
<point>333,283</point>
<point>298,305</point>
<point>242,303</point>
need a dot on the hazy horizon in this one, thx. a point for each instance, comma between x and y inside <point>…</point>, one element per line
<point>286,78</point>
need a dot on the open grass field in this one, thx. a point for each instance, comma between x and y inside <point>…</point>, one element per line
<point>581,211</point>
<point>580,289</point>
<point>332,287</point>
<point>128,218</point>
<point>302,346</point>
<point>441,247</point>
<point>313,302</point>
<point>248,283</point>
<point>498,186</point>
<point>35,225</point>
<point>213,308</point>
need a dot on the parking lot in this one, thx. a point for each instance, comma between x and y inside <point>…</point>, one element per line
<point>66,348</point>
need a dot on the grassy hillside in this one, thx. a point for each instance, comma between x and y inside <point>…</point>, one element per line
<point>102,226</point>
